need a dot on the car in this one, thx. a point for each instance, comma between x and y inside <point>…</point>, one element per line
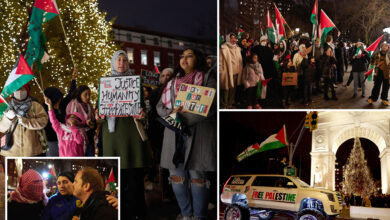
<point>258,196</point>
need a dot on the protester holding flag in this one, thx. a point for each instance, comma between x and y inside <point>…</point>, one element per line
<point>230,70</point>
<point>327,65</point>
<point>122,137</point>
<point>359,62</point>
<point>382,62</point>
<point>189,153</point>
<point>251,75</point>
<point>25,119</point>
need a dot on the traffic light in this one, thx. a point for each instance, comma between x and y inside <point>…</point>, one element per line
<point>313,120</point>
<point>307,121</point>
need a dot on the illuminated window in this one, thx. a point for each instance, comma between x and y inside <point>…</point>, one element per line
<point>156,58</point>
<point>130,54</point>
<point>144,57</point>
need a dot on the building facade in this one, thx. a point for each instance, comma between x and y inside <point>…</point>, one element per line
<point>147,49</point>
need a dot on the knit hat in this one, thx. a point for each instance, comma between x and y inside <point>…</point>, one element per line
<point>68,175</point>
<point>77,114</point>
<point>54,94</point>
<point>263,38</point>
<point>27,87</point>
<point>305,35</point>
<point>30,189</point>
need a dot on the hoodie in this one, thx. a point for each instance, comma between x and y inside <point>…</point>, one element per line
<point>72,139</point>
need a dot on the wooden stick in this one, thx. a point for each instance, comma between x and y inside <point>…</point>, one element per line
<point>66,38</point>
<point>40,88</point>
<point>40,75</point>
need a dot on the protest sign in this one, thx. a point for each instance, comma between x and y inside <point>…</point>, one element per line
<point>290,79</point>
<point>149,78</point>
<point>195,99</point>
<point>120,96</point>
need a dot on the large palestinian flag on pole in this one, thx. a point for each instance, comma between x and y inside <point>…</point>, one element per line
<point>371,49</point>
<point>43,11</point>
<point>274,141</point>
<point>314,19</point>
<point>270,29</point>
<point>281,32</point>
<point>326,26</point>
<point>20,75</point>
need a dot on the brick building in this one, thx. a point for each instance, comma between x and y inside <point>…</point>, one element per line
<point>146,49</point>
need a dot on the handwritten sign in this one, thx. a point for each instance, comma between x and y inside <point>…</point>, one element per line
<point>120,96</point>
<point>150,78</point>
<point>195,99</point>
<point>290,79</point>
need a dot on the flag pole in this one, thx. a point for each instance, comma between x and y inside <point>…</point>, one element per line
<point>39,86</point>
<point>66,38</point>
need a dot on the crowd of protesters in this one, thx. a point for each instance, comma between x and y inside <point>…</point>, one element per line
<point>378,201</point>
<point>70,127</point>
<point>247,65</point>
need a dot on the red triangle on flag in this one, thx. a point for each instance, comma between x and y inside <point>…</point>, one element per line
<point>111,178</point>
<point>325,21</point>
<point>374,45</point>
<point>281,136</point>
<point>46,5</point>
<point>265,82</point>
<point>369,72</point>
<point>2,100</point>
<point>269,22</point>
<point>52,172</point>
<point>22,67</point>
<point>256,146</point>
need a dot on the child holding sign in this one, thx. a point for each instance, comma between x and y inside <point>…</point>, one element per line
<point>71,136</point>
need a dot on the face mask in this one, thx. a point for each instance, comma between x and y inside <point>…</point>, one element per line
<point>20,95</point>
<point>263,43</point>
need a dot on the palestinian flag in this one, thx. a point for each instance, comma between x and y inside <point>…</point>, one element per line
<point>52,173</point>
<point>240,32</point>
<point>3,105</point>
<point>370,72</point>
<point>110,185</point>
<point>262,88</point>
<point>359,53</point>
<point>20,75</point>
<point>43,11</point>
<point>274,141</point>
<point>314,18</point>
<point>270,29</point>
<point>326,26</point>
<point>281,32</point>
<point>371,49</point>
<point>261,29</point>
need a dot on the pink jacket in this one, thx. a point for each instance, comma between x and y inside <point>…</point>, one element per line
<point>72,140</point>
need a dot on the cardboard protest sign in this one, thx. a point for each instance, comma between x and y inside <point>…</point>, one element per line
<point>195,99</point>
<point>120,96</point>
<point>290,79</point>
<point>150,78</point>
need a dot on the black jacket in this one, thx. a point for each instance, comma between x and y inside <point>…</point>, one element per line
<point>309,71</point>
<point>21,211</point>
<point>97,207</point>
<point>265,56</point>
<point>360,64</point>
<point>326,66</point>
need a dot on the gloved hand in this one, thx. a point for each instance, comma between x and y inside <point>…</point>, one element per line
<point>10,114</point>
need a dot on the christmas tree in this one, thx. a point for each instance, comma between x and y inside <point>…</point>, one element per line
<point>89,36</point>
<point>356,177</point>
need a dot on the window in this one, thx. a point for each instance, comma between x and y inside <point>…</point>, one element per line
<point>170,44</point>
<point>130,54</point>
<point>143,40</point>
<point>155,41</point>
<point>171,58</point>
<point>129,37</point>
<point>156,58</point>
<point>271,181</point>
<point>144,57</point>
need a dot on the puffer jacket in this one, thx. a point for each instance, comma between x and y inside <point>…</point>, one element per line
<point>26,140</point>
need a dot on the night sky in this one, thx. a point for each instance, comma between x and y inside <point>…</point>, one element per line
<point>238,130</point>
<point>197,19</point>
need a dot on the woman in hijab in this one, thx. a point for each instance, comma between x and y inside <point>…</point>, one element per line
<point>29,199</point>
<point>189,154</point>
<point>122,137</point>
<point>26,118</point>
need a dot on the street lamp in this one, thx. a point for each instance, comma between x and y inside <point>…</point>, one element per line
<point>297,30</point>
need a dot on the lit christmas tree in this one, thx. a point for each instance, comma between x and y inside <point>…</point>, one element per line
<point>89,36</point>
<point>356,178</point>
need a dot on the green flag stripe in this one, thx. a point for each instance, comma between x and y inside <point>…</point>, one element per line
<point>16,84</point>
<point>313,18</point>
<point>3,107</point>
<point>324,34</point>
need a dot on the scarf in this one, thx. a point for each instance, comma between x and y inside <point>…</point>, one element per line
<point>21,107</point>
<point>111,120</point>
<point>194,78</point>
<point>30,189</point>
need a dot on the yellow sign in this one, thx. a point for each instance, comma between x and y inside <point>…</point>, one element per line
<point>195,99</point>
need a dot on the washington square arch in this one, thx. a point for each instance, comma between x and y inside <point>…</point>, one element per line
<point>336,127</point>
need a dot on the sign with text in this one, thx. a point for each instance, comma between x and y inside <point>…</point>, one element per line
<point>195,99</point>
<point>150,78</point>
<point>290,79</point>
<point>120,96</point>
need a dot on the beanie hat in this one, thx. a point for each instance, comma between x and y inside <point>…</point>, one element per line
<point>77,114</point>
<point>68,175</point>
<point>30,189</point>
<point>263,38</point>
<point>54,94</point>
<point>27,87</point>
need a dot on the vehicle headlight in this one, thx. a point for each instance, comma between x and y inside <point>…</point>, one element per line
<point>330,196</point>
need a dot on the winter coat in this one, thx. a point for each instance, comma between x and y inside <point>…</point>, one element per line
<point>97,207</point>
<point>386,65</point>
<point>72,140</point>
<point>326,66</point>
<point>360,64</point>
<point>230,64</point>
<point>60,207</point>
<point>26,138</point>
<point>309,71</point>
<point>266,55</point>
<point>19,211</point>
<point>201,146</point>
<point>251,74</point>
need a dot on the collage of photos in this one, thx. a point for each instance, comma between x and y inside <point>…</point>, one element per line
<point>194,110</point>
